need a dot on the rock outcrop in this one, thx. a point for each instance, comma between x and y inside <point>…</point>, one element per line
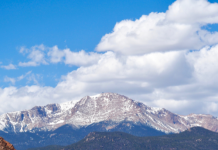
<point>4,145</point>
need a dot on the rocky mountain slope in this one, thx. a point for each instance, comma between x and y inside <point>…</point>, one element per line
<point>103,107</point>
<point>4,145</point>
<point>66,135</point>
<point>195,138</point>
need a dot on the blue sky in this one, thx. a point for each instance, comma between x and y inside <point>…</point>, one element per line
<point>163,53</point>
<point>74,24</point>
<point>77,24</point>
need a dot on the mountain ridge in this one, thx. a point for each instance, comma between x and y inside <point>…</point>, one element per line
<point>196,138</point>
<point>102,107</point>
<point>66,134</point>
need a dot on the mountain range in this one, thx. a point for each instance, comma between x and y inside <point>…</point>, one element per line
<point>102,112</point>
<point>196,138</point>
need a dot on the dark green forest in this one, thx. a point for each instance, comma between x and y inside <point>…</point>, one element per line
<point>196,138</point>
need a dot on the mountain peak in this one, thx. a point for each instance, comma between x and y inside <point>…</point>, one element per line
<point>107,94</point>
<point>110,107</point>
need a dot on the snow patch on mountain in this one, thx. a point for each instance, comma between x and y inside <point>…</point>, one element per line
<point>68,105</point>
<point>95,96</point>
<point>102,107</point>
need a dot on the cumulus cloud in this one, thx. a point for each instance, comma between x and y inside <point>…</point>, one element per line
<point>205,64</point>
<point>80,58</point>
<point>180,28</point>
<point>41,54</point>
<point>35,54</point>
<point>177,68</point>
<point>183,82</point>
<point>193,12</point>
<point>56,55</point>
<point>174,80</point>
<point>9,67</point>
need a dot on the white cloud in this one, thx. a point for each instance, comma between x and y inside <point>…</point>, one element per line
<point>41,54</point>
<point>23,50</point>
<point>56,55</point>
<point>193,11</point>
<point>179,28</point>
<point>179,81</point>
<point>30,77</point>
<point>80,58</point>
<point>205,64</point>
<point>23,76</point>
<point>166,75</point>
<point>35,54</point>
<point>34,78</point>
<point>8,79</point>
<point>9,67</point>
<point>13,98</point>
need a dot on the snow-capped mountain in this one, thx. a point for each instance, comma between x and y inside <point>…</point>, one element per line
<point>102,107</point>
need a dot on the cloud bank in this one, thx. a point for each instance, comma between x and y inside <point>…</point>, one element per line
<point>180,28</point>
<point>162,59</point>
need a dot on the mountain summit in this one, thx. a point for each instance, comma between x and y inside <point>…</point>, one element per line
<point>102,107</point>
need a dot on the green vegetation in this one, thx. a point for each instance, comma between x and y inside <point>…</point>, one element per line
<point>66,135</point>
<point>196,138</point>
